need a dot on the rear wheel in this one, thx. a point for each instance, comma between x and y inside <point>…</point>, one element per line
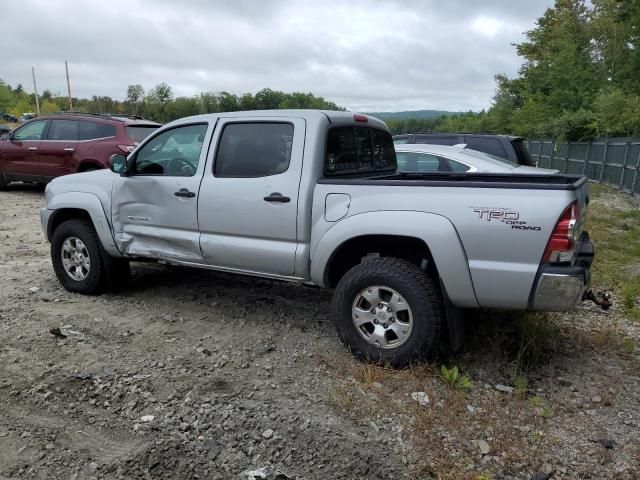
<point>388,310</point>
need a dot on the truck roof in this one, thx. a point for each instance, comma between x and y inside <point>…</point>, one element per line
<point>332,116</point>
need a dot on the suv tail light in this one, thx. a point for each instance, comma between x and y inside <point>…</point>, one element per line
<point>126,148</point>
<point>564,239</point>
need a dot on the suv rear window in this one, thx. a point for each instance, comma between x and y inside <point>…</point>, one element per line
<point>139,133</point>
<point>491,146</point>
<point>359,150</point>
<point>524,157</point>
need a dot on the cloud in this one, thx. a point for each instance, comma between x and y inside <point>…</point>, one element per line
<point>363,54</point>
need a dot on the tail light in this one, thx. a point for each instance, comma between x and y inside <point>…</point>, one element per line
<point>358,117</point>
<point>564,239</point>
<point>126,148</point>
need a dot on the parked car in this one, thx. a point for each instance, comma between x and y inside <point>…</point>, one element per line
<point>425,158</point>
<point>7,117</point>
<point>231,192</point>
<point>25,117</point>
<point>503,146</point>
<point>54,145</point>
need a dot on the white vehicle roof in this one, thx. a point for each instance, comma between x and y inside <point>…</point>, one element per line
<point>478,161</point>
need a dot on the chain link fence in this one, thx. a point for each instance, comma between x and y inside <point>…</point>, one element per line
<point>614,161</point>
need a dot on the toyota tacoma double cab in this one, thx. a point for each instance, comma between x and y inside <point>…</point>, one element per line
<point>314,197</point>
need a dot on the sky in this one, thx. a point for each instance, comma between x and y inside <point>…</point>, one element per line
<point>365,55</point>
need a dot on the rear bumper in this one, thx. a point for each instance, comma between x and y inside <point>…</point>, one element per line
<point>560,288</point>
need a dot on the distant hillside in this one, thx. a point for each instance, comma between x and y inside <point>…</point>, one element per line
<point>417,114</point>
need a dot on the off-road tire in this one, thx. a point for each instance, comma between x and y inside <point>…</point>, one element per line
<point>421,293</point>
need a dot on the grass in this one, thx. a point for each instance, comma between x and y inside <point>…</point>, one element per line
<point>614,225</point>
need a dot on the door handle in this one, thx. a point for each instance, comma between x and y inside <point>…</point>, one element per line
<point>69,149</point>
<point>32,148</point>
<point>183,192</point>
<point>277,197</point>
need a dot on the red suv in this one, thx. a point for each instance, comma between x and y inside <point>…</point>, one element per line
<point>47,147</point>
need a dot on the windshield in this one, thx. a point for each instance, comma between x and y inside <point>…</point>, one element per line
<point>139,133</point>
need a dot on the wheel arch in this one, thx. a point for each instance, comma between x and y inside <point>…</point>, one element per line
<point>424,236</point>
<point>64,207</point>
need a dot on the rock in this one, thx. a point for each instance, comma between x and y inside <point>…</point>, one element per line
<point>34,289</point>
<point>57,332</point>
<point>421,397</point>
<point>606,443</point>
<point>540,476</point>
<point>376,385</point>
<point>83,375</point>
<point>267,434</point>
<point>147,418</point>
<point>484,447</point>
<point>504,388</point>
<point>255,474</point>
<point>596,399</point>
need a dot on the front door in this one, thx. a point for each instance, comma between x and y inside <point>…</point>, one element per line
<point>154,209</point>
<point>248,205</point>
<point>21,153</point>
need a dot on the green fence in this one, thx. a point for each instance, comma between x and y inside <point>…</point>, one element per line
<point>612,161</point>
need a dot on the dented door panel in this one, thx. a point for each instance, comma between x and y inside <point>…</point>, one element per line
<point>150,220</point>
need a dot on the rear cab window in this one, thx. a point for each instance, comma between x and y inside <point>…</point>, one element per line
<point>353,150</point>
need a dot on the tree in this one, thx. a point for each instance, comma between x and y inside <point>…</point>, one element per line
<point>134,95</point>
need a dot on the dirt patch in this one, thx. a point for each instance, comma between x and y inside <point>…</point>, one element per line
<point>193,374</point>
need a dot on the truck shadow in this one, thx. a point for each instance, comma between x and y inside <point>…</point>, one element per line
<point>505,343</point>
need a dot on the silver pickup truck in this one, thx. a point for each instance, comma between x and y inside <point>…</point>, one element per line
<point>314,197</point>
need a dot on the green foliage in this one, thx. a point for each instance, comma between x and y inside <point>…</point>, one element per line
<point>159,104</point>
<point>452,377</point>
<point>579,79</point>
<point>542,407</point>
<point>521,384</point>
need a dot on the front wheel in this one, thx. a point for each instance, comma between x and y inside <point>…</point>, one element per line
<point>81,264</point>
<point>388,310</point>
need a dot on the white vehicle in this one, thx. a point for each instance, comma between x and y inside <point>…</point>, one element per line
<point>425,158</point>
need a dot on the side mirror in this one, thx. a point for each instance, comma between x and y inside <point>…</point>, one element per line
<point>5,136</point>
<point>118,163</point>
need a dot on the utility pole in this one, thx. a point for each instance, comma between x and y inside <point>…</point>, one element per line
<point>35,90</point>
<point>66,67</point>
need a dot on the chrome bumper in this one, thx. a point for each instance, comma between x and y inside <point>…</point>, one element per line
<point>560,288</point>
<point>558,292</point>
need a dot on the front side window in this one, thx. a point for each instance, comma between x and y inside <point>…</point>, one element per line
<point>174,153</point>
<point>92,130</point>
<point>63,130</point>
<point>31,131</point>
<point>250,150</point>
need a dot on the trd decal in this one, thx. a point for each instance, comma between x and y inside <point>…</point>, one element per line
<point>504,215</point>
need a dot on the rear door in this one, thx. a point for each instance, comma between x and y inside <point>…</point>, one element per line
<point>57,152</point>
<point>248,205</point>
<point>154,208</point>
<point>21,152</point>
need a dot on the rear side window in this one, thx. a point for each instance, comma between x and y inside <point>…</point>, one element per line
<point>457,166</point>
<point>492,146</point>
<point>420,162</point>
<point>137,134</point>
<point>250,150</point>
<point>93,130</point>
<point>358,150</point>
<point>63,130</point>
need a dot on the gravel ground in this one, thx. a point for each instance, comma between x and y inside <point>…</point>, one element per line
<point>193,374</point>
